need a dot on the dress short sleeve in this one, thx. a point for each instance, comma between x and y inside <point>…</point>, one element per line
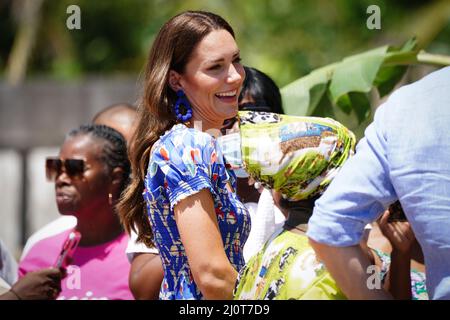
<point>188,159</point>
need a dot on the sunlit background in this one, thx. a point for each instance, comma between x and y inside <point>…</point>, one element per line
<point>53,79</point>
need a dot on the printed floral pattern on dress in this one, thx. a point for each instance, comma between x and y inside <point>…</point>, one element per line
<point>183,162</point>
<point>418,280</point>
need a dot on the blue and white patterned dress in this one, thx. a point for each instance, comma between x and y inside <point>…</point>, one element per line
<point>182,162</point>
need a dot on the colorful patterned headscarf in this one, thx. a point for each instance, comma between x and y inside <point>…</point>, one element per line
<point>298,156</point>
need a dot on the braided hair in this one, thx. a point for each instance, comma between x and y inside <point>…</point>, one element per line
<point>114,152</point>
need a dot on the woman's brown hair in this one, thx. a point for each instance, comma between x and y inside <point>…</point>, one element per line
<point>171,50</point>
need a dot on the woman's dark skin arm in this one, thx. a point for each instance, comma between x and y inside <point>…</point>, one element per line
<point>146,275</point>
<point>398,278</point>
<point>43,284</point>
<point>401,237</point>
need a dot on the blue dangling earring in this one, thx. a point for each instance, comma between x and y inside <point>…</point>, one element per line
<point>182,103</point>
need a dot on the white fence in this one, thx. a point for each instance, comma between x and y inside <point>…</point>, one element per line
<point>40,198</point>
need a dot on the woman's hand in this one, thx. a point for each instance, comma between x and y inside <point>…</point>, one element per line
<point>44,284</point>
<point>401,237</point>
<point>399,234</point>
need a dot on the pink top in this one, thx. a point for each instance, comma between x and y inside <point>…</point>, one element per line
<point>96,273</point>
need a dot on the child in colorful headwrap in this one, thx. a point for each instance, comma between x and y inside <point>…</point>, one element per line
<point>296,157</point>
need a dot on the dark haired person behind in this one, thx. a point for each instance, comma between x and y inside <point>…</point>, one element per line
<point>90,173</point>
<point>259,92</point>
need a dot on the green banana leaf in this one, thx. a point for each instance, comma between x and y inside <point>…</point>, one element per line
<point>347,84</point>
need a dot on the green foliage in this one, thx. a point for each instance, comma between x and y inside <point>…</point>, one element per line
<point>347,84</point>
<point>286,39</point>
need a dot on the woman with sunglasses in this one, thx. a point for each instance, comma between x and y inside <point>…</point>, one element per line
<point>89,174</point>
<point>192,84</point>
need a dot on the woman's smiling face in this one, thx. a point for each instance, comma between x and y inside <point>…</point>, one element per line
<point>212,78</point>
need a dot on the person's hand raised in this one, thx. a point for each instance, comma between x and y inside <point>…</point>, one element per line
<point>399,234</point>
<point>44,284</point>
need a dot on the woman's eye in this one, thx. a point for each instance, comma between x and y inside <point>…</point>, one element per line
<point>215,67</point>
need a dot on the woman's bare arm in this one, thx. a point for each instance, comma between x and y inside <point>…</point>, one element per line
<point>199,231</point>
<point>146,275</point>
<point>349,268</point>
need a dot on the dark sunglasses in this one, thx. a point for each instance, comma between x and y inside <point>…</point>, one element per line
<point>72,167</point>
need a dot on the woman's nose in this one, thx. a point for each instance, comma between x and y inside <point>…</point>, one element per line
<point>62,177</point>
<point>233,74</point>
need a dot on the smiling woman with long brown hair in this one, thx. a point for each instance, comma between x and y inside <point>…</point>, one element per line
<point>198,224</point>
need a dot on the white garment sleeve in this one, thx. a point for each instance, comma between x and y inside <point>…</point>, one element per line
<point>134,247</point>
<point>264,223</point>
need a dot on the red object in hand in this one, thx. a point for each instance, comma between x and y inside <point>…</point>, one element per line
<point>68,250</point>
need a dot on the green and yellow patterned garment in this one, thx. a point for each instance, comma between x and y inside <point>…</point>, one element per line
<point>286,268</point>
<point>297,156</point>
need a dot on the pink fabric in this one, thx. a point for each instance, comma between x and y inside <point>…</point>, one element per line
<point>99,272</point>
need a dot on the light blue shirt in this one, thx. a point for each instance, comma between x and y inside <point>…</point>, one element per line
<point>404,155</point>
